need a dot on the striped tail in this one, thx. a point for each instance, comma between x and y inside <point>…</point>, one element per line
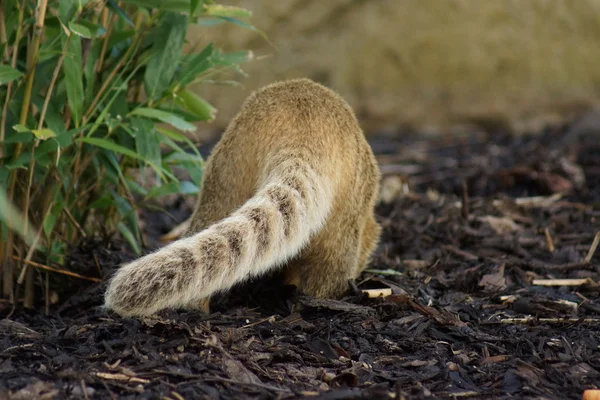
<point>290,205</point>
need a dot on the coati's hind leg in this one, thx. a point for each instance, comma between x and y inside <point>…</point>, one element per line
<point>324,268</point>
<point>369,240</point>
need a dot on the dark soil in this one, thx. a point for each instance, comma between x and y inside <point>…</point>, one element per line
<point>467,253</point>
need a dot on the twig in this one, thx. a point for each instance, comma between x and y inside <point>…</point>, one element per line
<point>270,319</point>
<point>74,222</point>
<point>562,282</point>
<point>47,290</point>
<point>255,384</point>
<point>120,377</point>
<point>459,394</point>
<point>549,240</point>
<point>219,379</point>
<point>593,248</point>
<point>461,253</point>
<point>58,271</point>
<point>84,389</point>
<point>540,265</point>
<point>465,200</point>
<point>529,320</point>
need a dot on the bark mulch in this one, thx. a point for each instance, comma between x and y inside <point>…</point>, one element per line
<point>488,258</point>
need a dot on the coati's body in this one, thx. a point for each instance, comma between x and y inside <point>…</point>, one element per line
<point>291,184</point>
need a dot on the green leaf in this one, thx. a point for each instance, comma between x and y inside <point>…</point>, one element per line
<point>176,136</point>
<point>193,6</point>
<point>21,128</point>
<point>195,65</point>
<point>236,57</point>
<point>112,146</point>
<point>89,72</point>
<point>43,134</point>
<point>197,105</point>
<point>66,9</point>
<point>179,157</point>
<point>217,20</point>
<point>20,162</point>
<point>8,74</point>
<point>170,5</point>
<point>113,5</point>
<point>129,224</point>
<point>86,29</point>
<point>73,76</point>
<point>108,145</point>
<point>135,187</point>
<point>164,116</point>
<point>166,50</point>
<point>51,218</point>
<point>14,219</point>
<point>147,141</point>
<point>129,236</point>
<point>172,188</point>
<point>219,10</point>
<point>4,172</point>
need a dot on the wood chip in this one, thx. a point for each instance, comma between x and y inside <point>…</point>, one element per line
<point>120,377</point>
<point>591,394</point>
<point>374,293</point>
<point>563,282</point>
<point>593,248</point>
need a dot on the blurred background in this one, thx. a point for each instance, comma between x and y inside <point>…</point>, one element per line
<point>424,65</point>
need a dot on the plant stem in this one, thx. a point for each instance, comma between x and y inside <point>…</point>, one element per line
<point>138,22</point>
<point>3,38</point>
<point>38,30</point>
<point>13,64</point>
<point>31,63</point>
<point>8,272</point>
<point>52,84</point>
<point>109,29</point>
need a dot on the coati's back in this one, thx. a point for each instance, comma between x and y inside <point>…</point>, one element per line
<point>292,183</point>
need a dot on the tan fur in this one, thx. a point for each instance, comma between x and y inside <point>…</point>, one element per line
<point>291,184</point>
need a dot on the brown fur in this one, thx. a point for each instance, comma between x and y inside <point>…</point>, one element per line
<point>291,184</point>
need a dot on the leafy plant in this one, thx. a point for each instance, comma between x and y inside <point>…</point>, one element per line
<point>94,96</point>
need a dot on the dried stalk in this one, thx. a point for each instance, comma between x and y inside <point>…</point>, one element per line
<point>38,31</point>
<point>593,247</point>
<point>56,270</point>
<point>7,266</point>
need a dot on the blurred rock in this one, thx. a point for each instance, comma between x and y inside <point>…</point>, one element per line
<point>425,64</point>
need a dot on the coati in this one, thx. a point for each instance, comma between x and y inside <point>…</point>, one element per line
<point>291,184</point>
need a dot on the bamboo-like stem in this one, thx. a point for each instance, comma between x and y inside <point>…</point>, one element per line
<point>100,62</point>
<point>3,38</point>
<point>138,23</point>
<point>52,84</point>
<point>40,126</point>
<point>13,63</point>
<point>35,47</point>
<point>29,295</point>
<point>47,293</point>
<point>32,56</point>
<point>8,271</point>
